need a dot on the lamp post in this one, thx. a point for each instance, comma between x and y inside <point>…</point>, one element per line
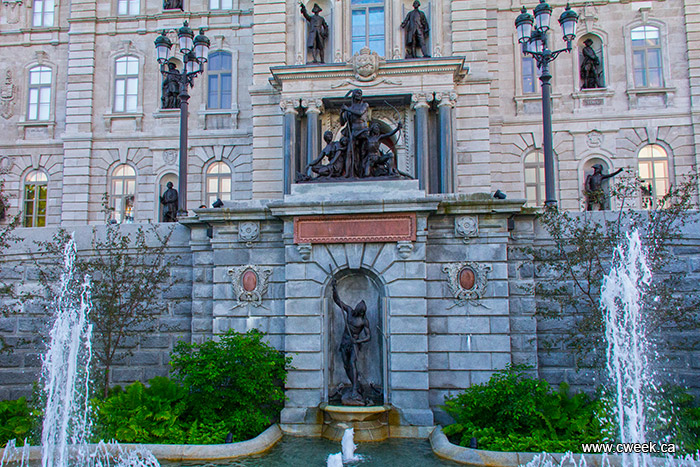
<point>195,51</point>
<point>532,34</point>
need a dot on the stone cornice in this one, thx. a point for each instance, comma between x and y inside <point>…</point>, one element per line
<point>389,68</point>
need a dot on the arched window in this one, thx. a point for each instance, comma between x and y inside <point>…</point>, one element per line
<point>534,178</point>
<point>646,56</point>
<point>368,25</point>
<point>39,104</point>
<point>653,170</point>
<point>43,13</point>
<point>219,73</point>
<point>126,84</point>
<point>218,183</point>
<point>123,193</point>
<point>35,195</point>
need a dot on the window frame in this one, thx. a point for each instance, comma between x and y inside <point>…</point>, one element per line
<point>120,213</point>
<point>129,4</point>
<point>632,89</point>
<point>44,14</point>
<point>538,184</point>
<point>35,215</point>
<point>372,4</point>
<point>126,77</point>
<point>220,73</point>
<point>645,50</point>
<point>39,87</point>
<point>653,179</point>
<point>220,5</point>
<point>535,74</point>
<point>208,174</point>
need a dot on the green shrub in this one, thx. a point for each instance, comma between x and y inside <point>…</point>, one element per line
<point>141,414</point>
<point>17,421</point>
<point>677,418</point>
<point>238,380</point>
<point>514,413</point>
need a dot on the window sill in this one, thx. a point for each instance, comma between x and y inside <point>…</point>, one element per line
<point>137,117</point>
<point>595,98</point>
<point>166,113</point>
<point>218,119</point>
<point>529,104</point>
<point>644,98</point>
<point>41,128</point>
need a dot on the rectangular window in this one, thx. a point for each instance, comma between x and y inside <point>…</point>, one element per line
<point>39,107</point>
<point>220,81</point>
<point>220,4</point>
<point>646,56</point>
<point>43,13</point>
<point>126,84</point>
<point>368,25</point>
<point>529,76</point>
<point>128,7</point>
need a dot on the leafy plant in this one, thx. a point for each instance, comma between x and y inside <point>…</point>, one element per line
<point>571,266</point>
<point>677,418</point>
<point>17,421</point>
<point>512,412</point>
<point>8,293</point>
<point>238,380</point>
<point>141,414</point>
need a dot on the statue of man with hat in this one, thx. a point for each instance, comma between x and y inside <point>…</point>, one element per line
<point>318,32</point>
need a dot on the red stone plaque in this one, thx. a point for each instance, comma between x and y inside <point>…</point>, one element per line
<point>355,228</point>
<point>249,280</point>
<point>467,278</point>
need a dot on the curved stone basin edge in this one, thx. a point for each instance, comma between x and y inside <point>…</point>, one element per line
<point>480,458</point>
<point>197,452</point>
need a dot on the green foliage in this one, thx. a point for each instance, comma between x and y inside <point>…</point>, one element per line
<point>141,414</point>
<point>130,273</point>
<point>677,418</point>
<point>17,421</point>
<point>570,267</point>
<point>8,294</point>
<point>238,380</point>
<point>514,413</point>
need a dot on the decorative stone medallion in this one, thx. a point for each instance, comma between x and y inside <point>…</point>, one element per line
<point>405,249</point>
<point>7,96</point>
<point>250,283</point>
<point>5,164</point>
<point>466,227</point>
<point>466,280</point>
<point>594,139</point>
<point>170,156</point>
<point>248,232</point>
<point>365,64</point>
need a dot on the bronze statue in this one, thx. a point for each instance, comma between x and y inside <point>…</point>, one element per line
<point>170,97</point>
<point>593,187</point>
<point>374,159</point>
<point>318,32</point>
<point>590,67</point>
<point>169,201</point>
<point>172,4</point>
<point>334,152</point>
<point>357,332</point>
<point>417,32</point>
<point>356,117</point>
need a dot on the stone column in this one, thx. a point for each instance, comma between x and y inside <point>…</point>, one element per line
<point>289,107</point>
<point>420,104</point>
<point>446,101</point>
<point>314,108</point>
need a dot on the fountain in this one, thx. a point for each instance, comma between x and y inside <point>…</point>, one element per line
<point>65,376</point>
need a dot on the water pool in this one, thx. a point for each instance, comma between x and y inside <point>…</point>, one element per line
<point>312,452</point>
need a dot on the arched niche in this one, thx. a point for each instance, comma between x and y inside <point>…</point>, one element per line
<point>596,44</point>
<point>355,285</point>
<point>587,169</point>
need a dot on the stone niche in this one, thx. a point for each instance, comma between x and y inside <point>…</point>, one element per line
<point>355,285</point>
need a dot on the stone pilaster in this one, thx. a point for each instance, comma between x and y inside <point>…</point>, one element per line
<point>421,106</point>
<point>446,102</point>
<point>289,107</point>
<point>314,107</point>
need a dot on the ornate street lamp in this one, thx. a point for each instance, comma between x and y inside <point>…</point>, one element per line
<point>532,34</point>
<point>195,54</point>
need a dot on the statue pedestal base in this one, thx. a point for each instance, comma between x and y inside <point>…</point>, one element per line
<point>370,423</point>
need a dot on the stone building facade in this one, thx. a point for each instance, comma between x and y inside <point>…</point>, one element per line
<point>81,117</point>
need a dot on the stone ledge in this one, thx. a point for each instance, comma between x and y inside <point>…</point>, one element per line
<point>181,452</point>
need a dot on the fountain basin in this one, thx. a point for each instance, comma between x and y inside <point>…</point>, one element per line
<point>370,423</point>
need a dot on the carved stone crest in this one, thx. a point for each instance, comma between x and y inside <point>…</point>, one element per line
<point>7,96</point>
<point>248,232</point>
<point>12,10</point>
<point>170,156</point>
<point>466,280</point>
<point>365,64</point>
<point>594,139</point>
<point>5,164</point>
<point>250,283</point>
<point>466,227</point>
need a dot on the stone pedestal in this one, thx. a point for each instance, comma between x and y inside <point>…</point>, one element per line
<point>369,423</point>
